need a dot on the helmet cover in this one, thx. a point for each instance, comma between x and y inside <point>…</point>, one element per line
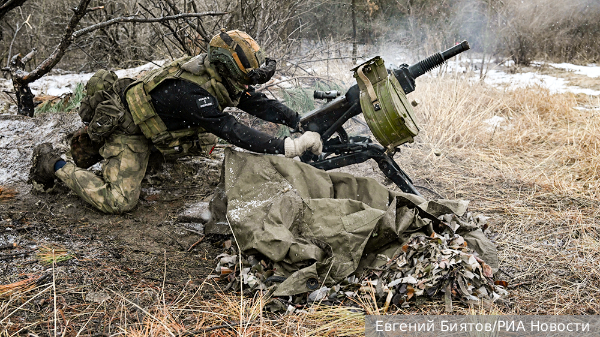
<point>241,56</point>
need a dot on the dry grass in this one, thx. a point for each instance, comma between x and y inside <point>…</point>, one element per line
<point>53,254</point>
<point>535,175</point>
<point>23,286</point>
<point>543,139</point>
<point>153,311</point>
<point>7,193</point>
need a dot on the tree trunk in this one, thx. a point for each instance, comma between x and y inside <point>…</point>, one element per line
<point>24,99</point>
<point>22,91</point>
<point>21,79</point>
<point>354,46</point>
<point>7,6</point>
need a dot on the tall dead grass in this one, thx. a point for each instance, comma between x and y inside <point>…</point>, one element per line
<point>537,133</point>
<point>151,311</point>
<point>534,174</point>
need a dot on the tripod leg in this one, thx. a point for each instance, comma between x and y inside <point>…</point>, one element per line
<point>388,166</point>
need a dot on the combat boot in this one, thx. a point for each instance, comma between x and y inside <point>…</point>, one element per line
<point>42,165</point>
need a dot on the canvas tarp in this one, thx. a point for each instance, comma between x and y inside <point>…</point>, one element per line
<point>321,227</point>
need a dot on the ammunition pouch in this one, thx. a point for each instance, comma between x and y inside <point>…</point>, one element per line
<point>102,110</point>
<point>106,118</point>
<point>102,80</point>
<point>188,142</point>
<point>88,106</point>
<point>110,115</point>
<point>384,105</point>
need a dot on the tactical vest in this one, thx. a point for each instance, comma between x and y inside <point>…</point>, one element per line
<point>197,70</point>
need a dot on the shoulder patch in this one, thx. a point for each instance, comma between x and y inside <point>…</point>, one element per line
<point>204,102</point>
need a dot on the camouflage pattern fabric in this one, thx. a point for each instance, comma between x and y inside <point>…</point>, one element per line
<point>108,116</point>
<point>102,80</point>
<point>320,227</point>
<point>118,190</point>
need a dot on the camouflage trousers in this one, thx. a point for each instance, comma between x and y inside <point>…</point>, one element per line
<point>118,190</point>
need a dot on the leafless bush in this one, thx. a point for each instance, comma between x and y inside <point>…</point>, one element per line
<point>521,30</point>
<point>560,30</point>
<point>40,24</point>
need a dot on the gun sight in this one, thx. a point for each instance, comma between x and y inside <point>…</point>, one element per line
<point>328,95</point>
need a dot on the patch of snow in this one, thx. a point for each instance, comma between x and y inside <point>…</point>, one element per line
<point>503,80</point>
<point>96,167</point>
<point>57,85</point>
<point>586,108</point>
<point>496,122</point>
<point>286,85</point>
<point>133,72</point>
<point>590,70</point>
<point>196,212</point>
<point>523,80</point>
<point>19,135</point>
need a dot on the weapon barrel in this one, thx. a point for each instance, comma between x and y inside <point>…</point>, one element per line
<point>437,59</point>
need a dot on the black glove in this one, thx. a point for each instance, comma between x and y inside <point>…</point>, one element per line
<point>264,73</point>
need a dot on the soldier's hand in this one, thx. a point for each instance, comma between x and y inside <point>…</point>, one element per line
<point>85,152</point>
<point>309,141</point>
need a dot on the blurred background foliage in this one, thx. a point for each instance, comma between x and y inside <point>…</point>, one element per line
<point>292,30</point>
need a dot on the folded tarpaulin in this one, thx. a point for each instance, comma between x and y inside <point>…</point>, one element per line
<point>319,226</point>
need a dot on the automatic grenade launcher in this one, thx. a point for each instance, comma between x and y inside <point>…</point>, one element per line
<point>380,95</point>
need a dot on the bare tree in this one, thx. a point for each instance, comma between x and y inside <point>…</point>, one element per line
<point>21,78</point>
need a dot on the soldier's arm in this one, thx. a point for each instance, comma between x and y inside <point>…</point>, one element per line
<point>259,105</point>
<point>181,105</point>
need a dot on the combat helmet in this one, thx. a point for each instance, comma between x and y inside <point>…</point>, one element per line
<point>240,56</point>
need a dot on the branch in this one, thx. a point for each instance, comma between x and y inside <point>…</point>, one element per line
<point>202,31</point>
<point>49,63</point>
<point>135,18</point>
<point>29,56</point>
<point>195,27</point>
<point>71,34</point>
<point>9,5</point>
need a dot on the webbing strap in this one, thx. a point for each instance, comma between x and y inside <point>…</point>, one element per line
<point>239,52</point>
<point>370,91</point>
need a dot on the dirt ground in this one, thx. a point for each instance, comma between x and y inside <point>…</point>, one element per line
<point>141,248</point>
<point>136,241</point>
